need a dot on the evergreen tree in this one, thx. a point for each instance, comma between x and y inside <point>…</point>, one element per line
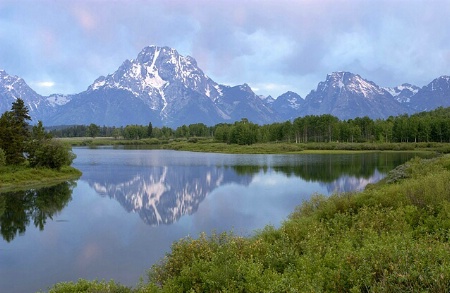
<point>93,130</point>
<point>14,132</point>
<point>149,129</point>
<point>19,143</point>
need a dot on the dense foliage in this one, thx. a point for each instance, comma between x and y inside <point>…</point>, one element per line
<point>392,237</point>
<point>21,143</point>
<point>433,126</point>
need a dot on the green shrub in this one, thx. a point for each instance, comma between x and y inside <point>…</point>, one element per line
<point>52,154</point>
<point>83,286</point>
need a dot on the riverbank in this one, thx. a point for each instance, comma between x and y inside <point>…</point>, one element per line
<point>391,237</point>
<point>209,145</point>
<point>21,177</point>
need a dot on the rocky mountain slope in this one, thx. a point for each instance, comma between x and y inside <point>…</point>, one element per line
<point>162,87</point>
<point>347,95</point>
<point>165,88</point>
<point>13,87</point>
<point>432,96</point>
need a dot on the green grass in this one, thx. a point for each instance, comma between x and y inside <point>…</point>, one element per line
<point>22,177</point>
<point>209,145</point>
<point>392,237</point>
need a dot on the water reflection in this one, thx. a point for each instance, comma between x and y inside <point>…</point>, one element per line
<point>162,194</point>
<point>161,189</point>
<point>20,208</point>
<point>97,238</point>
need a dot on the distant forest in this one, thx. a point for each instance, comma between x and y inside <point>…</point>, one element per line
<point>432,126</point>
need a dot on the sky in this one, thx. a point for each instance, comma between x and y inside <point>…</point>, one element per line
<point>275,46</point>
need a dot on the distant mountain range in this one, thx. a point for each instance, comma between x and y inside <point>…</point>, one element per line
<point>165,88</point>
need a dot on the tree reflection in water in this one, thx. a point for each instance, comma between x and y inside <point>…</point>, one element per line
<point>19,208</point>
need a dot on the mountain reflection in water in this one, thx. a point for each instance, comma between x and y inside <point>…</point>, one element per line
<point>67,232</point>
<point>161,195</point>
<point>161,192</point>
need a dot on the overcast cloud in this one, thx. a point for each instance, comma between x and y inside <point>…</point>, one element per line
<point>273,45</point>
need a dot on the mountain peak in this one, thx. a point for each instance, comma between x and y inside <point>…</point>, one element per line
<point>341,77</point>
<point>353,83</point>
<point>444,78</point>
<point>288,105</point>
<point>13,87</point>
<point>290,94</point>
<point>441,83</point>
<point>433,95</point>
<point>7,78</point>
<point>403,92</point>
<point>167,88</point>
<point>173,89</point>
<point>347,95</point>
<point>245,87</point>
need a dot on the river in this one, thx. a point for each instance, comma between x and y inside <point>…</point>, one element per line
<point>123,214</point>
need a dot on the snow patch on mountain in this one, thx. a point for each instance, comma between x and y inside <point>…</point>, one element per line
<point>58,100</point>
<point>403,93</point>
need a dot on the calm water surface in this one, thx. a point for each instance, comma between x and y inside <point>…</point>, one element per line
<point>123,214</point>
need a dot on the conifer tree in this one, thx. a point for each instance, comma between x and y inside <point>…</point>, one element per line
<point>14,132</point>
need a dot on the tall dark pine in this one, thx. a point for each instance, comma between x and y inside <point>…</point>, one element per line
<point>21,117</point>
<point>14,132</point>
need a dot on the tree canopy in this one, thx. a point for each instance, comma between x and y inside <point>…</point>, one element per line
<point>20,143</point>
<point>14,132</point>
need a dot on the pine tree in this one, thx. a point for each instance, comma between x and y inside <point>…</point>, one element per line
<point>14,132</point>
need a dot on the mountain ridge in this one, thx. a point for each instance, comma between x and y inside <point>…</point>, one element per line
<point>167,89</point>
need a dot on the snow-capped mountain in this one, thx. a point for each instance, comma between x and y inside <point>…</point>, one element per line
<point>432,96</point>
<point>12,88</point>
<point>288,105</point>
<point>56,100</point>
<point>404,92</point>
<point>347,95</point>
<point>165,88</point>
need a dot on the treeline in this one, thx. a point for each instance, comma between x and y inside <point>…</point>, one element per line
<point>432,126</point>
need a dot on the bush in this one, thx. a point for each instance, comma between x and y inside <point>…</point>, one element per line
<point>89,287</point>
<point>52,154</point>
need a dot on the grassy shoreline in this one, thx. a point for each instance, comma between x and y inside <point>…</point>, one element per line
<point>14,178</point>
<point>209,145</point>
<point>392,237</point>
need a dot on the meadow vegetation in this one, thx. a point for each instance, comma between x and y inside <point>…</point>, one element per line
<point>392,237</point>
<point>213,146</point>
<point>23,177</point>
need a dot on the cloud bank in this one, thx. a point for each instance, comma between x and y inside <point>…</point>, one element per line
<point>272,45</point>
